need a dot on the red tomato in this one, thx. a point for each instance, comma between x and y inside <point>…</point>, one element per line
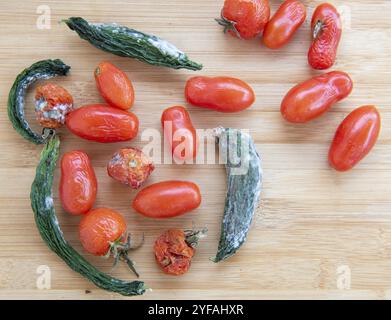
<point>180,133</point>
<point>101,123</point>
<point>100,227</point>
<point>244,18</point>
<point>285,22</point>
<point>310,99</point>
<point>355,137</point>
<point>220,93</point>
<point>173,253</point>
<point>78,185</point>
<point>326,29</point>
<point>114,86</point>
<point>130,166</point>
<point>167,199</point>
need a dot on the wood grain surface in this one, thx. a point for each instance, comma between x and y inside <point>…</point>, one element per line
<point>313,225</point>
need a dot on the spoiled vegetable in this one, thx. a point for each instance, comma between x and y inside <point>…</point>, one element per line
<point>244,180</point>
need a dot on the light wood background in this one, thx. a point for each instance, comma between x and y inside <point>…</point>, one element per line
<point>312,222</point>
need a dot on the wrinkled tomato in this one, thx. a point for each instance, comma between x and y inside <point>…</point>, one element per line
<point>285,22</point>
<point>52,104</point>
<point>244,18</point>
<point>180,133</point>
<point>222,94</point>
<point>167,199</point>
<point>78,185</point>
<point>130,166</point>
<point>114,85</point>
<point>99,228</point>
<point>101,123</point>
<point>172,253</point>
<point>310,99</point>
<point>355,138</point>
<point>326,29</point>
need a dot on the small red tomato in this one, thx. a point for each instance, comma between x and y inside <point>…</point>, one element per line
<point>244,18</point>
<point>52,103</point>
<point>167,199</point>
<point>355,137</point>
<point>101,123</point>
<point>114,86</point>
<point>78,185</point>
<point>310,99</point>
<point>174,250</point>
<point>99,228</point>
<point>326,29</point>
<point>285,22</point>
<point>180,133</point>
<point>220,93</point>
<point>130,166</point>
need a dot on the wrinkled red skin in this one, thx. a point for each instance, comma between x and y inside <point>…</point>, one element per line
<point>249,16</point>
<point>223,94</point>
<point>182,128</point>
<point>310,99</point>
<point>78,184</point>
<point>167,199</point>
<point>323,50</point>
<point>172,253</point>
<point>283,25</point>
<point>101,123</point>
<point>355,138</point>
<point>130,166</point>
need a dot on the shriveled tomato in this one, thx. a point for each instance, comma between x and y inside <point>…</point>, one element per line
<point>175,248</point>
<point>101,123</point>
<point>355,138</point>
<point>130,166</point>
<point>326,29</point>
<point>222,94</point>
<point>244,18</point>
<point>285,22</point>
<point>78,185</point>
<point>167,199</point>
<point>114,85</point>
<point>52,104</point>
<point>180,133</point>
<point>310,99</point>
<point>99,228</point>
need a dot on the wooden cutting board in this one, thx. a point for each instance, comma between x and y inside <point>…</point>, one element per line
<point>316,232</point>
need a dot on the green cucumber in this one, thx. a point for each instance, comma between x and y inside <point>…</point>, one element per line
<point>48,226</point>
<point>244,181</point>
<point>44,69</point>
<point>125,42</point>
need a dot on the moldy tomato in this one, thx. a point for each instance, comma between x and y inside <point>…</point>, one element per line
<point>130,166</point>
<point>52,103</point>
<point>180,133</point>
<point>114,86</point>
<point>244,18</point>
<point>167,199</point>
<point>326,29</point>
<point>101,123</point>
<point>285,22</point>
<point>310,99</point>
<point>222,94</point>
<point>78,185</point>
<point>355,138</point>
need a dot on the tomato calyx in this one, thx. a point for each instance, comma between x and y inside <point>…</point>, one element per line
<point>317,29</point>
<point>194,236</point>
<point>228,25</point>
<point>119,250</point>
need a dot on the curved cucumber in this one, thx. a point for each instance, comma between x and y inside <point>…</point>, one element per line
<point>44,69</point>
<point>244,180</point>
<point>48,226</point>
<point>126,42</point>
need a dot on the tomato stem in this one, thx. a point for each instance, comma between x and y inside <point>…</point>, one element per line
<point>318,27</point>
<point>193,236</point>
<point>228,25</point>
